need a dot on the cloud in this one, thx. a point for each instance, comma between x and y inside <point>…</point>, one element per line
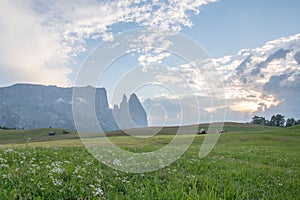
<point>273,88</point>
<point>256,80</point>
<point>174,110</point>
<point>39,40</point>
<point>29,52</point>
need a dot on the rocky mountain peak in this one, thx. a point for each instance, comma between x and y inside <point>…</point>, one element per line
<point>36,106</point>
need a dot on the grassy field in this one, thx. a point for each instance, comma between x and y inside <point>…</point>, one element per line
<point>41,135</point>
<point>248,162</point>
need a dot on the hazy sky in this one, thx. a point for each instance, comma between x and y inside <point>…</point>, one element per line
<point>46,42</point>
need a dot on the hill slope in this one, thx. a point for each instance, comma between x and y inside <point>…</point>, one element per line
<point>38,135</point>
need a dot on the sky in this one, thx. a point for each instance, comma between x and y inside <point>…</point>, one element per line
<point>227,26</point>
<point>51,42</point>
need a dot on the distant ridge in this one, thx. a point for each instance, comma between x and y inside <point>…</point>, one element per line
<point>30,106</point>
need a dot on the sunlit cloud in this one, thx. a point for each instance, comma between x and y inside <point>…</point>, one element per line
<point>248,74</point>
<point>42,39</point>
<point>256,81</point>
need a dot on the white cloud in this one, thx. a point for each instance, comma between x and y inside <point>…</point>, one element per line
<point>246,80</point>
<point>29,52</point>
<point>40,38</point>
<point>261,81</point>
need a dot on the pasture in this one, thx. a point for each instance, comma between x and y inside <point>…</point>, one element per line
<point>248,162</point>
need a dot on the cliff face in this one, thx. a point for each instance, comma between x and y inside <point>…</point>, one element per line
<point>130,113</point>
<point>137,112</point>
<point>36,106</point>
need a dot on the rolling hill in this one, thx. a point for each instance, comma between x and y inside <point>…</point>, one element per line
<point>40,135</point>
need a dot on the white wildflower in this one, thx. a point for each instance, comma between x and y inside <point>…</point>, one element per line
<point>98,191</point>
<point>57,170</point>
<point>56,182</point>
<point>117,162</point>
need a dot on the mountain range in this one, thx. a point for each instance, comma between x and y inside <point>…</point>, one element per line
<point>28,106</point>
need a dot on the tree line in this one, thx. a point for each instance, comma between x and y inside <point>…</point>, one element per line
<point>276,120</point>
<point>6,128</point>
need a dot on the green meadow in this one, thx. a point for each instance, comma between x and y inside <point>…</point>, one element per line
<point>248,162</point>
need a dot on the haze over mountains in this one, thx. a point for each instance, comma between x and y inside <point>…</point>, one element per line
<point>35,106</point>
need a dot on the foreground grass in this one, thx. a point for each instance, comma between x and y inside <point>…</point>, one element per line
<point>243,165</point>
